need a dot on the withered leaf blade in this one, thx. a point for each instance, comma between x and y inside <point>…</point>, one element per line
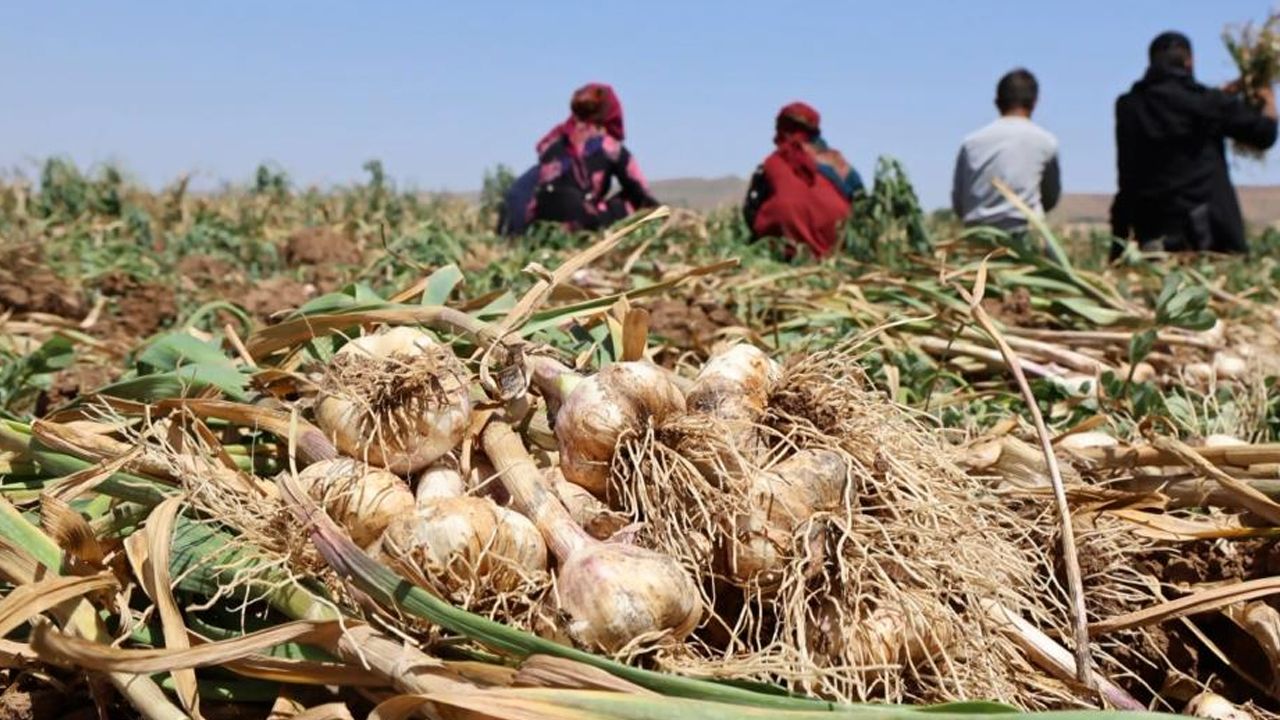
<point>28,600</point>
<point>70,531</point>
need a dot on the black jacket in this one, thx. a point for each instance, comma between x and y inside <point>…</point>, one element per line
<point>1173,169</point>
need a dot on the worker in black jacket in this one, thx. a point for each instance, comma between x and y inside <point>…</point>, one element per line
<point>1174,190</point>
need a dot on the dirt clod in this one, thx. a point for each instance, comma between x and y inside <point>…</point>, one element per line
<point>141,308</point>
<point>320,246</point>
<point>27,284</point>
<point>689,323</point>
<point>274,295</point>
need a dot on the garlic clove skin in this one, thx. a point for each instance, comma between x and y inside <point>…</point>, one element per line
<point>362,499</point>
<point>620,398</point>
<point>401,434</point>
<point>437,482</point>
<point>460,541</point>
<point>734,384</point>
<point>615,593</point>
<point>1213,706</point>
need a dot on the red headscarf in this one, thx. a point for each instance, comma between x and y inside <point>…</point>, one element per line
<point>797,124</point>
<point>800,208</point>
<point>594,103</point>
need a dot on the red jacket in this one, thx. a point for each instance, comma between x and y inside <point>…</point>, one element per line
<point>802,209</point>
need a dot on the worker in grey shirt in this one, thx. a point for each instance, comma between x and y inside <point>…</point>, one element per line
<point>1013,149</point>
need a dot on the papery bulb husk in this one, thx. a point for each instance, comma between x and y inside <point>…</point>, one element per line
<point>1143,372</point>
<point>1200,373</point>
<point>781,500</point>
<point>1018,463</point>
<point>732,390</point>
<point>467,542</point>
<point>734,384</point>
<point>397,399</point>
<point>362,499</point>
<point>586,509</point>
<point>1089,440</point>
<point>619,399</point>
<point>1223,440</point>
<point>910,631</point>
<point>617,593</point>
<point>1228,366</point>
<point>437,482</point>
<point>1213,706</point>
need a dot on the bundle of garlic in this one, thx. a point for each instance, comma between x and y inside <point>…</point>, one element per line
<point>788,522</point>
<point>824,528</point>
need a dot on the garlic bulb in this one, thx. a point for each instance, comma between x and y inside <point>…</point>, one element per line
<point>362,499</point>
<point>613,593</point>
<point>436,482</point>
<point>734,384</point>
<point>782,499</point>
<point>397,399</point>
<point>621,398</point>
<point>1087,440</point>
<point>459,541</point>
<point>1215,707</point>
<point>1228,366</point>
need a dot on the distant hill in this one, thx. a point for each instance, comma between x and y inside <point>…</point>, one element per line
<point>700,193</point>
<point>1259,203</point>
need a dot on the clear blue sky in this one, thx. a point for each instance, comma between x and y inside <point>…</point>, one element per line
<point>441,90</point>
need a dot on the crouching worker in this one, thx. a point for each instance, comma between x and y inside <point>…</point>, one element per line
<point>803,191</point>
<point>577,164</point>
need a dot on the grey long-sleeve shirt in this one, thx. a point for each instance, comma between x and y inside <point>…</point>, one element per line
<point>1019,152</point>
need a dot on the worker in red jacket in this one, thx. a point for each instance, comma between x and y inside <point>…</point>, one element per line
<point>803,191</point>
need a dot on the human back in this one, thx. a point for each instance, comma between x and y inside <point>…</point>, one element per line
<point>1174,189</point>
<point>579,161</point>
<point>803,190</point>
<point>1013,150</point>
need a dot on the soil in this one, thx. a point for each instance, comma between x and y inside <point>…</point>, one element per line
<point>1013,308</point>
<point>1198,563</point>
<point>74,381</point>
<point>273,295</point>
<point>1208,561</point>
<point>27,284</point>
<point>320,246</point>
<point>140,308</point>
<point>26,698</point>
<point>688,323</point>
<point>203,271</point>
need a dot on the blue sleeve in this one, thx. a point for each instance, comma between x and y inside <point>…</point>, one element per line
<point>847,185</point>
<point>853,182</point>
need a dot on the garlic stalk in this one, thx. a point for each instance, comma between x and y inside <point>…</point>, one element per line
<point>614,593</point>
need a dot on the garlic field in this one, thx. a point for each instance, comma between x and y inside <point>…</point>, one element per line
<point>268,452</point>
